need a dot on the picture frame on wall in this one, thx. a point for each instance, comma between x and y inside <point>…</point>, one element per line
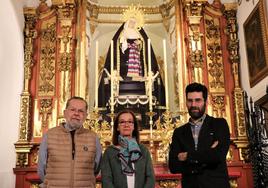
<point>255,32</point>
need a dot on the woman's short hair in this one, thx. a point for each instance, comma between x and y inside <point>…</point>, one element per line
<point>116,133</point>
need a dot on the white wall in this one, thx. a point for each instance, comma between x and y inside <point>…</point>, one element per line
<point>258,90</point>
<point>11,78</point>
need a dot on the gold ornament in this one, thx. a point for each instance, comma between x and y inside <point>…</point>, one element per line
<point>134,12</point>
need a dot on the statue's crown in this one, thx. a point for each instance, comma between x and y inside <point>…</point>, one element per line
<point>136,13</point>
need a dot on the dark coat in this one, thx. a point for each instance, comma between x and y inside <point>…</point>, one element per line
<point>113,177</point>
<point>205,167</point>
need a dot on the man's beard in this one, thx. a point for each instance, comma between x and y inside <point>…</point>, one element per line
<point>74,126</point>
<point>197,114</point>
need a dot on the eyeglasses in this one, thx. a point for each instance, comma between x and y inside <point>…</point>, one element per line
<point>126,122</point>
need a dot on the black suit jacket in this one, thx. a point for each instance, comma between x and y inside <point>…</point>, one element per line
<point>205,167</point>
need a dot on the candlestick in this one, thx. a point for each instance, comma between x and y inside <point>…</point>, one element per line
<point>112,76</point>
<point>165,72</point>
<point>96,76</point>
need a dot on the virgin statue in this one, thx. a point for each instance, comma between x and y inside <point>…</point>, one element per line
<point>130,49</point>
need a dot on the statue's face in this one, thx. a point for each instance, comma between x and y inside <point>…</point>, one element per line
<point>132,23</point>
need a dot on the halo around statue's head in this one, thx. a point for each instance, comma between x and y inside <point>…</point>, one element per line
<point>136,13</point>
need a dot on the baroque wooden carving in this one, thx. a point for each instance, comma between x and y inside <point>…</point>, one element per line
<point>56,67</point>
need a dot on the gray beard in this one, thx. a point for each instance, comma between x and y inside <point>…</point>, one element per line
<point>72,127</point>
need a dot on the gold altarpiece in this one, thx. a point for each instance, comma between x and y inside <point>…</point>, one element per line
<point>204,47</point>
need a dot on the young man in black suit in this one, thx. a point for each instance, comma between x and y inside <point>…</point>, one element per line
<point>199,148</point>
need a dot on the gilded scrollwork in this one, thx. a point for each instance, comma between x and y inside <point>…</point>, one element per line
<point>212,30</point>
<point>66,12</point>
<point>45,110</point>
<point>233,183</point>
<point>48,34</point>
<point>194,15</point>
<point>176,78</point>
<point>215,63</point>
<point>230,155</point>
<point>22,159</point>
<point>65,62</point>
<point>164,128</point>
<point>65,49</point>
<point>196,58</point>
<point>35,185</point>
<point>30,34</point>
<point>233,47</point>
<point>46,85</point>
<point>194,8</point>
<point>169,183</point>
<point>218,105</point>
<point>231,31</point>
<point>101,127</point>
<point>24,117</point>
<point>240,114</point>
<point>22,151</point>
<point>65,36</point>
<point>245,154</point>
<point>35,158</point>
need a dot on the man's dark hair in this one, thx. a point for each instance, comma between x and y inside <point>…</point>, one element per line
<point>135,132</point>
<point>197,87</point>
<point>77,98</point>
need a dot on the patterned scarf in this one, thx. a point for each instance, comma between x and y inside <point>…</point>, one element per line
<point>129,153</point>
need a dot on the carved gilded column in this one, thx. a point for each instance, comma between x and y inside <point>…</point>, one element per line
<point>194,11</point>
<point>66,17</point>
<point>46,87</point>
<point>81,71</point>
<point>219,97</point>
<point>22,145</point>
<point>233,48</point>
<point>179,61</point>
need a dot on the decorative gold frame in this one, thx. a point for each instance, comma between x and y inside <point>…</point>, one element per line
<point>256,38</point>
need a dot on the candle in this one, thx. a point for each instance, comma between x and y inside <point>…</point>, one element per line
<point>96,76</point>
<point>165,72</point>
<point>112,79</point>
<point>149,56</point>
<point>193,45</point>
<point>112,56</point>
<point>151,127</point>
<point>150,76</point>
